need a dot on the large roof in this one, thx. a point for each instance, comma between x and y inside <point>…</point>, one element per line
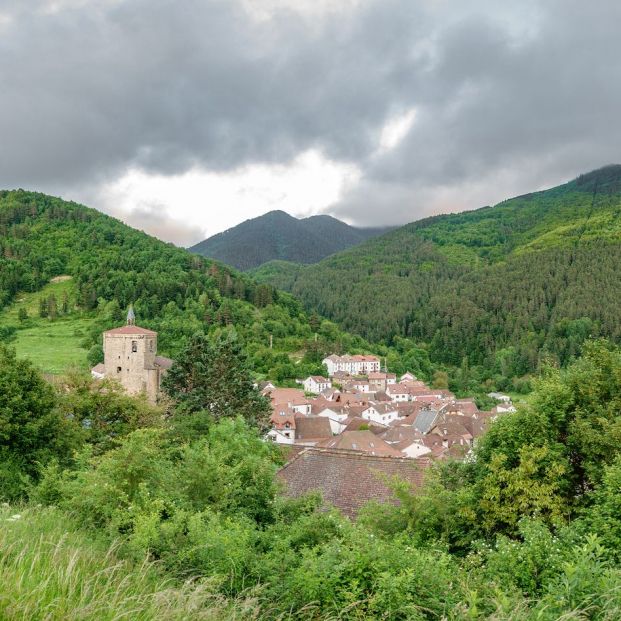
<point>348,479</point>
<point>425,420</point>
<point>362,440</point>
<point>130,330</point>
<point>312,428</point>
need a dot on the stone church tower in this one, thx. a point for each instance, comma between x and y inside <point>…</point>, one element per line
<point>130,357</point>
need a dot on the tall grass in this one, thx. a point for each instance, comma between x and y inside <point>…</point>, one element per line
<point>50,570</point>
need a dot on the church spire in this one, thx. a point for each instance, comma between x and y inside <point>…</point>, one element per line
<point>131,317</point>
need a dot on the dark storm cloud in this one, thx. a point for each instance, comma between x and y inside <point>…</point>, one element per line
<point>507,99</point>
<point>166,85</point>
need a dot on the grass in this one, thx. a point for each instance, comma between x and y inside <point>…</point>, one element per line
<point>50,570</point>
<point>54,346</point>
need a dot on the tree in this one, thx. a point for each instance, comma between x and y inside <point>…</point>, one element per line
<point>32,430</point>
<point>105,413</point>
<point>52,307</point>
<point>22,314</point>
<point>65,303</point>
<point>213,376</point>
<point>43,309</point>
<point>440,380</point>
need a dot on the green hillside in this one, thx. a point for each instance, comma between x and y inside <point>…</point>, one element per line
<point>504,285</point>
<point>277,236</point>
<point>98,266</point>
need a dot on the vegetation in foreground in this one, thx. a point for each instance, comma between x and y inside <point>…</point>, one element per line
<point>530,528</point>
<point>52,570</point>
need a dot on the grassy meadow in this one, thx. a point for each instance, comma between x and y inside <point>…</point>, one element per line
<point>50,570</point>
<point>53,345</point>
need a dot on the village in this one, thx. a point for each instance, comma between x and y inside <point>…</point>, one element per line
<point>344,434</point>
<point>348,432</point>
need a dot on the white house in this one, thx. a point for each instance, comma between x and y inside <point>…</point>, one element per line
<point>498,396</point>
<point>416,449</point>
<point>283,425</point>
<point>316,384</point>
<point>407,377</point>
<point>398,392</point>
<point>280,436</point>
<point>504,408</point>
<point>408,440</point>
<point>360,385</point>
<point>336,415</point>
<point>383,413</point>
<point>355,365</point>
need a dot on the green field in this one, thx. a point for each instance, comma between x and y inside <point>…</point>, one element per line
<point>53,345</point>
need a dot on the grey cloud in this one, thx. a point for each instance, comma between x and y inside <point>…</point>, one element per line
<point>508,98</point>
<point>165,85</point>
<point>500,115</point>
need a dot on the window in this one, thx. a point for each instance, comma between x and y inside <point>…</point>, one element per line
<point>134,346</point>
<point>150,345</point>
<point>118,369</point>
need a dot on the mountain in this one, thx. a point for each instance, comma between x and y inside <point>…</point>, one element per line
<point>68,272</point>
<point>278,236</point>
<point>503,286</point>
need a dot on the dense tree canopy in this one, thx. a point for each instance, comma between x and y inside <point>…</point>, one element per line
<point>506,286</point>
<point>214,376</point>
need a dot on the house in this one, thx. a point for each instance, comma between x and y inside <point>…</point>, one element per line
<point>293,398</point>
<point>504,408</point>
<point>379,381</point>
<point>408,440</point>
<point>498,396</point>
<point>424,394</point>
<point>340,377</point>
<point>99,371</point>
<point>330,394</point>
<point>363,440</point>
<point>309,430</point>
<point>130,357</point>
<point>453,430</point>
<point>357,423</point>
<point>284,424</point>
<point>336,415</point>
<point>360,385</point>
<point>354,365</point>
<point>352,398</point>
<point>407,377</point>
<point>348,479</point>
<point>398,392</point>
<point>383,413</point>
<point>462,407</point>
<point>262,386</point>
<point>316,384</point>
<point>425,420</point>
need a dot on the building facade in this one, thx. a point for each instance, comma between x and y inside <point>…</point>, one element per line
<point>130,357</point>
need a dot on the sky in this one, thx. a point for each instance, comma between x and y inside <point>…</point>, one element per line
<point>186,117</point>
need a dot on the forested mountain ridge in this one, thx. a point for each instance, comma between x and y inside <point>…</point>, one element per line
<point>506,285</point>
<point>278,236</point>
<point>173,291</point>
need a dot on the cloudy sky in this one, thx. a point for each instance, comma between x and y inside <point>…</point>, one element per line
<point>185,117</point>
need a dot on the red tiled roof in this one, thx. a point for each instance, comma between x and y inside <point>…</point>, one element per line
<point>312,428</point>
<point>131,330</point>
<point>349,479</point>
<point>365,441</point>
